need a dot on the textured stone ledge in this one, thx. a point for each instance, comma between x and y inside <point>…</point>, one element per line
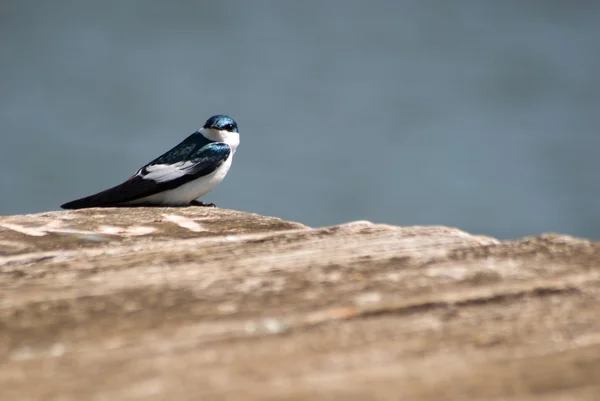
<point>201,303</point>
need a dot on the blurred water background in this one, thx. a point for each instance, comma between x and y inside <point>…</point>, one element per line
<point>482,115</point>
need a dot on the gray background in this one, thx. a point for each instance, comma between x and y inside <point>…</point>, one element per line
<point>482,115</point>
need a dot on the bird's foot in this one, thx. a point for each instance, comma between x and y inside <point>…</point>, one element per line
<point>200,203</point>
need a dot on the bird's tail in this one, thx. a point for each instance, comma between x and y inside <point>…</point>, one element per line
<point>83,203</point>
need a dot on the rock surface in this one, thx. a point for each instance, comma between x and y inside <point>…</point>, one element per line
<point>200,303</point>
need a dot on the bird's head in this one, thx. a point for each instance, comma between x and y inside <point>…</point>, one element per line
<point>222,128</point>
<point>221,122</point>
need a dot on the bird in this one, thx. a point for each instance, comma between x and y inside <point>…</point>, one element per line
<point>178,177</point>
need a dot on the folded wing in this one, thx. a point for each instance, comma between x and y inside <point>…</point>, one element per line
<point>159,176</point>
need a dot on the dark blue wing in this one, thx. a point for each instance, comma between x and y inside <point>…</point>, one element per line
<point>160,175</point>
<point>184,151</point>
<point>199,163</point>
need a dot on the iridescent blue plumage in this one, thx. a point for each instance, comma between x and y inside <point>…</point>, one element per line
<point>221,122</point>
<point>183,151</point>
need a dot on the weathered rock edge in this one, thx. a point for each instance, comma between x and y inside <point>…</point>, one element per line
<point>200,303</point>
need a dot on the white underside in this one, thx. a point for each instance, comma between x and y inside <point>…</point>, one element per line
<point>187,192</point>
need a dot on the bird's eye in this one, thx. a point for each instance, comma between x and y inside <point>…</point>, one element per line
<point>229,127</point>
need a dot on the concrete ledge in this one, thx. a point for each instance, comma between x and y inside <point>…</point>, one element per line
<point>201,303</point>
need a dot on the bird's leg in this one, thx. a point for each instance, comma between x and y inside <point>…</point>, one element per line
<point>200,203</point>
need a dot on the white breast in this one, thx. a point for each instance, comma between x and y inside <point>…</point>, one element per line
<point>230,138</point>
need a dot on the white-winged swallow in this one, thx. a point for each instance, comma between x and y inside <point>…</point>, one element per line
<point>188,171</point>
